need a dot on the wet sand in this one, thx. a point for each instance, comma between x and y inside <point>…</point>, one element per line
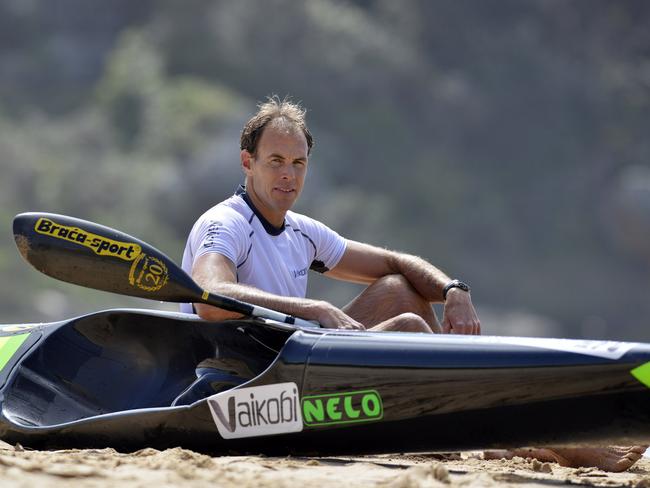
<point>180,467</point>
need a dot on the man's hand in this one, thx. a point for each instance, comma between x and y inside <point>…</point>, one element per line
<point>459,316</point>
<point>331,317</point>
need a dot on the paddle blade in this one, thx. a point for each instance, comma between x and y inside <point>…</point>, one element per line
<point>91,255</point>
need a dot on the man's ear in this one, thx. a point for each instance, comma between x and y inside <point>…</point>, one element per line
<point>246,161</point>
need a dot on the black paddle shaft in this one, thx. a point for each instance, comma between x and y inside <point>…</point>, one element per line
<point>95,256</point>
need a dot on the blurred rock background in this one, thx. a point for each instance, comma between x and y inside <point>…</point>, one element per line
<point>505,141</point>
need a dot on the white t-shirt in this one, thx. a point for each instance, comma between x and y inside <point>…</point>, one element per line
<point>274,260</point>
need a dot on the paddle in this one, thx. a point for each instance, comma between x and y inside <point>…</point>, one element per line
<point>95,256</point>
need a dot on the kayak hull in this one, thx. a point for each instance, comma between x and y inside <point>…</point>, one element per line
<point>109,379</point>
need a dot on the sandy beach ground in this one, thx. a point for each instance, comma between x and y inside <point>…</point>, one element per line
<point>180,467</point>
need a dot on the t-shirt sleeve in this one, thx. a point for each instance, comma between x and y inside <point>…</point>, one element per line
<point>329,245</point>
<point>223,231</point>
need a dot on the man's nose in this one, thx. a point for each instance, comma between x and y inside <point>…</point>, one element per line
<point>288,172</point>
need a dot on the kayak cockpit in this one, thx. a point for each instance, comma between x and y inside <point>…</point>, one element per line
<point>115,361</point>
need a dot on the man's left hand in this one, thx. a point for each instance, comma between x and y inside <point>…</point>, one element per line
<point>459,316</point>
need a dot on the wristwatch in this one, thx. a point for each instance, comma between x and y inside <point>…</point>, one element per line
<point>454,284</point>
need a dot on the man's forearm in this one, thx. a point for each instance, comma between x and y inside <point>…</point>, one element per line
<point>427,280</point>
<point>300,307</point>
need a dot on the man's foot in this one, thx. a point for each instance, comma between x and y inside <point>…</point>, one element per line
<point>613,458</point>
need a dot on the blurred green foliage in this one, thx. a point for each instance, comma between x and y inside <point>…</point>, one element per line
<point>496,139</point>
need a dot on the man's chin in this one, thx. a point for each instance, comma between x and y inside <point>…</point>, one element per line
<point>286,201</point>
<point>284,206</point>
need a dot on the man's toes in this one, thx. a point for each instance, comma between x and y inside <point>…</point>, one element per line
<point>628,456</point>
<point>640,450</point>
<point>621,465</point>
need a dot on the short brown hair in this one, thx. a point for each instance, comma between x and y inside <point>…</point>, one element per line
<point>272,109</point>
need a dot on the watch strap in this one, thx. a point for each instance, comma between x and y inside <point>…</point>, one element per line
<point>454,284</point>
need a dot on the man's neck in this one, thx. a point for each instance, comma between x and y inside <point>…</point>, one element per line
<point>273,226</point>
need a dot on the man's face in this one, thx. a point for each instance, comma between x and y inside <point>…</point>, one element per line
<point>276,174</point>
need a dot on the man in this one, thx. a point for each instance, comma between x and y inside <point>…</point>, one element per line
<point>253,248</point>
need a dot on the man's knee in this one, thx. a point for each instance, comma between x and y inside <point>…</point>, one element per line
<point>393,283</point>
<point>409,322</point>
<point>388,298</point>
<point>397,288</point>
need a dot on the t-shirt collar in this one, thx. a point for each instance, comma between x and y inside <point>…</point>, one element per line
<point>268,226</point>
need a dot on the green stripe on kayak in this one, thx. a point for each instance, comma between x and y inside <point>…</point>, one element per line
<point>9,346</point>
<point>642,373</point>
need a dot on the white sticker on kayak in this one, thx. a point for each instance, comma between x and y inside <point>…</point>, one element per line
<point>257,411</point>
<point>601,349</point>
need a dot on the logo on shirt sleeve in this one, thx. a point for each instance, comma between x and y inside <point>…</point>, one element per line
<point>212,234</point>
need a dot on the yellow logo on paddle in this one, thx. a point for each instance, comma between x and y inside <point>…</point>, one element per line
<point>148,273</point>
<point>99,244</point>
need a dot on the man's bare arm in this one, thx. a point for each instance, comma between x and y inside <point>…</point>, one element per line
<point>216,273</point>
<point>363,263</point>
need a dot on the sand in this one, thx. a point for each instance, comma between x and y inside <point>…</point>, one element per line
<point>180,467</point>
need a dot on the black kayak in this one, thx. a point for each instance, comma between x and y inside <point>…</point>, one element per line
<point>130,379</point>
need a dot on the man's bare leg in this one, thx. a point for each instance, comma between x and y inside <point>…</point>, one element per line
<point>613,458</point>
<point>391,303</point>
